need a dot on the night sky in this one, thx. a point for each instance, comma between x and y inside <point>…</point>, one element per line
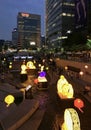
<point>9,10</point>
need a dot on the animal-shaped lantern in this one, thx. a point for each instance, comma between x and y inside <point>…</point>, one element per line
<point>64,89</point>
<point>71,120</point>
<point>23,69</point>
<point>30,65</point>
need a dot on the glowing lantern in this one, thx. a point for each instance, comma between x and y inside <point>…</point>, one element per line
<point>66,68</point>
<point>79,104</point>
<point>81,73</point>
<point>9,99</point>
<point>86,66</point>
<point>42,74</point>
<point>35,81</point>
<point>42,79</point>
<point>47,68</point>
<point>10,65</point>
<point>39,65</point>
<point>23,69</point>
<point>71,120</point>
<point>65,90</point>
<point>30,65</point>
<point>42,68</point>
<point>61,82</point>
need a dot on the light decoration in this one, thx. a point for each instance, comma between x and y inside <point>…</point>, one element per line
<point>64,89</point>
<point>28,87</point>
<point>23,69</point>
<point>32,43</point>
<point>42,74</point>
<point>86,66</point>
<point>47,68</point>
<point>42,68</point>
<point>25,14</point>
<point>10,65</point>
<point>66,67</point>
<point>30,65</point>
<point>36,81</point>
<point>9,100</point>
<point>79,104</point>
<point>42,79</point>
<point>39,65</point>
<point>81,73</point>
<point>71,120</point>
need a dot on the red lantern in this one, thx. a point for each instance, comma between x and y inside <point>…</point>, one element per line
<point>36,81</point>
<point>79,104</point>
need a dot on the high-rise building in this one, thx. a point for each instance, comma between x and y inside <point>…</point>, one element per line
<point>66,18</point>
<point>15,37</point>
<point>29,30</point>
<point>59,20</point>
<point>89,17</point>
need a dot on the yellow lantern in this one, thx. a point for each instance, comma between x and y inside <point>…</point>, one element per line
<point>65,90</point>
<point>61,82</point>
<point>23,69</point>
<point>30,65</point>
<point>71,120</point>
<point>9,99</point>
<point>10,65</point>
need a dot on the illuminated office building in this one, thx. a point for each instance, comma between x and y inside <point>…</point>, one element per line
<point>15,37</point>
<point>59,20</point>
<point>64,17</point>
<point>89,17</point>
<point>29,30</point>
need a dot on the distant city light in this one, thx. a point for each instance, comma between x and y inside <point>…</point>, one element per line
<point>32,43</point>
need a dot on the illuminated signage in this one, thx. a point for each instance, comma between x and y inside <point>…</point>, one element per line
<point>24,14</point>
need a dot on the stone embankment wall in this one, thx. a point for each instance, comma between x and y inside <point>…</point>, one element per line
<point>84,67</point>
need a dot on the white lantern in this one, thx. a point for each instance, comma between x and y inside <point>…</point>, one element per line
<point>71,120</point>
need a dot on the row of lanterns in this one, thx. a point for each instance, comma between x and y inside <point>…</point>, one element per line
<point>71,118</point>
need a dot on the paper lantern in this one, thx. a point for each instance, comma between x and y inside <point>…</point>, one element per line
<point>36,81</point>
<point>42,74</point>
<point>23,69</point>
<point>42,68</point>
<point>79,104</point>
<point>30,65</point>
<point>65,90</point>
<point>71,120</point>
<point>9,99</point>
<point>42,79</point>
<point>61,82</point>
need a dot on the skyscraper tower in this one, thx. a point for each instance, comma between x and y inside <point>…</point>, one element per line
<point>14,37</point>
<point>29,30</point>
<point>59,20</point>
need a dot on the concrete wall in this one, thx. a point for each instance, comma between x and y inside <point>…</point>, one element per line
<point>86,71</point>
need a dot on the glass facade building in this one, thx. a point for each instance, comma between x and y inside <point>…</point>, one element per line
<point>59,20</point>
<point>15,37</point>
<point>29,30</point>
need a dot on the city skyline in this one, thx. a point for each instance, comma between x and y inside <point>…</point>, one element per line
<point>9,10</point>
